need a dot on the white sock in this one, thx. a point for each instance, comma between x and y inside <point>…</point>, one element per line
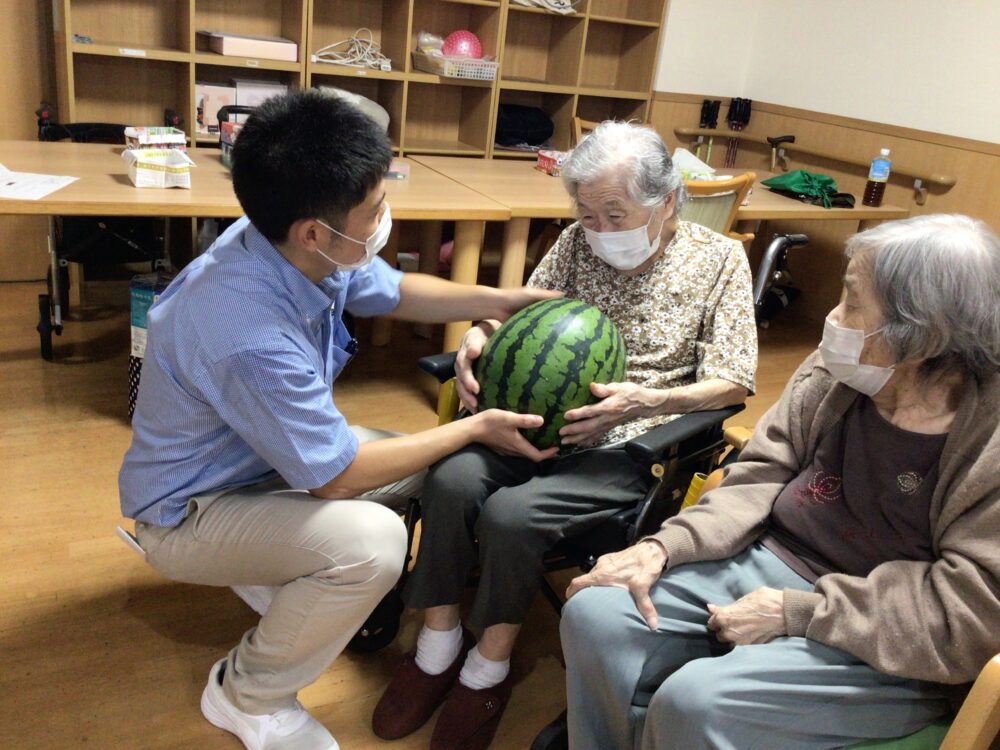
<point>478,672</point>
<point>438,649</point>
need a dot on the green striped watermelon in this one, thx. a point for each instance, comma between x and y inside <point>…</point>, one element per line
<point>543,360</point>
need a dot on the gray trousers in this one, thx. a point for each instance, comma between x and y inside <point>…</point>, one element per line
<point>517,510</point>
<point>678,687</point>
<point>334,560</point>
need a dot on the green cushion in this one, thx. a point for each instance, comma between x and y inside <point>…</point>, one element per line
<point>928,738</point>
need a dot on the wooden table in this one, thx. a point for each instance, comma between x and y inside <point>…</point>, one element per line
<point>530,194</point>
<point>104,189</point>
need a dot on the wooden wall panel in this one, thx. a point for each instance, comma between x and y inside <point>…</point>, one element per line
<point>25,78</point>
<point>817,268</point>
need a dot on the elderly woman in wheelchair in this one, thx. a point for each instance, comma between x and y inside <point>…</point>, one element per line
<point>842,583</point>
<point>680,295</point>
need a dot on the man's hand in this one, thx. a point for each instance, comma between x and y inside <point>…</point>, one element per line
<point>635,569</point>
<point>509,301</point>
<point>758,617</point>
<point>468,352</point>
<point>620,402</point>
<point>500,430</point>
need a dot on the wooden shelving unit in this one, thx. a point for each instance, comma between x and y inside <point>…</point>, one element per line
<point>146,56</point>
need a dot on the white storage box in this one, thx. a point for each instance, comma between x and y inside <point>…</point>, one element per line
<point>158,168</point>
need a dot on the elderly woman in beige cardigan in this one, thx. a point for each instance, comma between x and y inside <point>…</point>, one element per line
<point>847,570</point>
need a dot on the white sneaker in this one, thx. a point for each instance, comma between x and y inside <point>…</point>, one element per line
<point>258,597</point>
<point>289,729</point>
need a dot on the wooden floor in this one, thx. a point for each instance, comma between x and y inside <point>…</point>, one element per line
<point>98,651</point>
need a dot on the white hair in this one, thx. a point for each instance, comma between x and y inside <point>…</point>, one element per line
<point>937,278</point>
<point>636,153</point>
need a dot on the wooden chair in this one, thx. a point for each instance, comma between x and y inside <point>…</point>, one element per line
<point>581,128</point>
<point>714,203</point>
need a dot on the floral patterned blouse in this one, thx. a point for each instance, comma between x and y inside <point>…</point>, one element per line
<point>687,318</point>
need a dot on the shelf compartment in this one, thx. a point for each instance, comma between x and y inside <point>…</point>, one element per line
<point>542,48</point>
<point>599,108</point>
<point>637,10</point>
<point>388,94</point>
<point>284,18</point>
<point>619,57</point>
<point>338,20</point>
<point>559,108</point>
<point>447,119</point>
<point>442,18</point>
<point>149,25</point>
<point>130,91</point>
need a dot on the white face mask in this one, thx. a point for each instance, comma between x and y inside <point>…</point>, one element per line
<point>841,351</point>
<point>625,250</point>
<point>372,245</point>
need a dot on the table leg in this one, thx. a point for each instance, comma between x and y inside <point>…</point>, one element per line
<point>382,327</point>
<point>464,270</point>
<point>515,248</point>
<point>430,255</point>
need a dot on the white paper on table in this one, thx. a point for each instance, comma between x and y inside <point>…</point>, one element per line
<point>28,186</point>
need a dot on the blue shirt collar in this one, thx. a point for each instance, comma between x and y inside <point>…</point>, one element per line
<point>311,300</point>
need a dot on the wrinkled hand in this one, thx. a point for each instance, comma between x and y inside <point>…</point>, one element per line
<point>509,301</point>
<point>500,430</point>
<point>758,617</point>
<point>468,352</point>
<point>620,402</point>
<point>635,569</point>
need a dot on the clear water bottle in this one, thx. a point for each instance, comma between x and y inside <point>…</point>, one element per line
<point>878,176</point>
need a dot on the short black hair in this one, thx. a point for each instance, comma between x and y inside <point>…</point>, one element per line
<point>306,155</point>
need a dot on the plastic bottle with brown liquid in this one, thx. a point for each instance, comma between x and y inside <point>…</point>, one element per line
<point>878,176</point>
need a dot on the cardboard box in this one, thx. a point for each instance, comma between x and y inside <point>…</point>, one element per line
<point>551,162</point>
<point>227,137</point>
<point>156,137</point>
<point>158,168</point>
<point>209,99</point>
<point>246,45</point>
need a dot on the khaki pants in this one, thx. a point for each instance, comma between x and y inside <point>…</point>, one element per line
<point>333,559</point>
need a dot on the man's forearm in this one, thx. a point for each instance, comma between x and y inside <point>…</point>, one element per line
<point>428,299</point>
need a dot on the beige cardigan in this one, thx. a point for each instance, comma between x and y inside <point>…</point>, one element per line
<point>937,621</point>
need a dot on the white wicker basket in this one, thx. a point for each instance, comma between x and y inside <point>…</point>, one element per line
<point>456,67</point>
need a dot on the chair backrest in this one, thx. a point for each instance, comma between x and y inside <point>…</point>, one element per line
<point>714,203</point>
<point>581,128</point>
<point>978,722</point>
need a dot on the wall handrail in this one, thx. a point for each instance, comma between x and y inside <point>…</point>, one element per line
<point>935,178</point>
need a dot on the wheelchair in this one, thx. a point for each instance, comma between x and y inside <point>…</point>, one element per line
<point>90,239</point>
<point>672,453</point>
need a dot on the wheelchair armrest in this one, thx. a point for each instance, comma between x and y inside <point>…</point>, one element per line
<point>441,366</point>
<point>650,446</point>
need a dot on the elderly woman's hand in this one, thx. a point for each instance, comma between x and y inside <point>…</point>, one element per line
<point>468,352</point>
<point>620,402</point>
<point>758,617</point>
<point>635,569</point>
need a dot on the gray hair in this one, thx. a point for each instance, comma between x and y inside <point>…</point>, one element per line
<point>635,152</point>
<point>937,278</point>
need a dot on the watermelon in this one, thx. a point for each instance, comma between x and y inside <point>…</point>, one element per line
<point>543,360</point>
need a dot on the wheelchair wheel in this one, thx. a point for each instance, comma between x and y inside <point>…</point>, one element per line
<point>555,736</point>
<point>381,627</point>
<point>44,327</point>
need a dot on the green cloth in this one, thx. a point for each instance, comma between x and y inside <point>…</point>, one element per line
<point>928,738</point>
<point>807,186</point>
